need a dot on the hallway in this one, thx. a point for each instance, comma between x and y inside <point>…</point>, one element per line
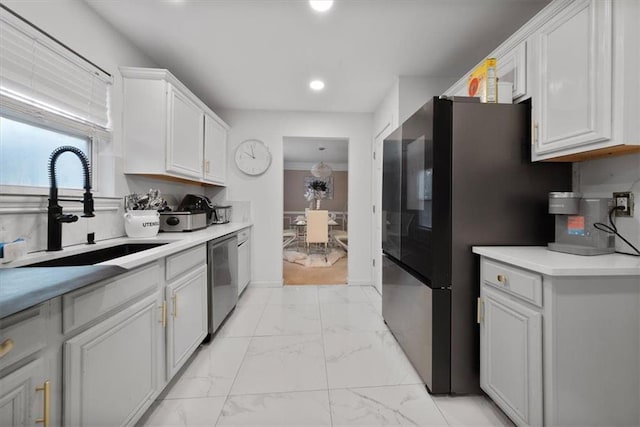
<point>309,356</point>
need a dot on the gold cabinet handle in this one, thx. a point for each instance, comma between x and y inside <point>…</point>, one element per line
<point>175,305</point>
<point>163,314</point>
<point>46,388</point>
<point>6,347</point>
<point>480,314</point>
<point>502,279</point>
<point>206,165</point>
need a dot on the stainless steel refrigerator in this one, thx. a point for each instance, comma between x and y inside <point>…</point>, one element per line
<point>456,174</point>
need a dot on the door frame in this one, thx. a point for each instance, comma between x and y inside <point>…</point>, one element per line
<point>350,191</point>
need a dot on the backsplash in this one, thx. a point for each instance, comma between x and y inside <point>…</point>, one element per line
<point>26,217</point>
<point>600,178</point>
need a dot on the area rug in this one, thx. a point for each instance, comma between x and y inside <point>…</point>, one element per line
<point>296,274</point>
<point>314,260</point>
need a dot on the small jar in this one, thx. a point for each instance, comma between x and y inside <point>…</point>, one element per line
<point>142,223</point>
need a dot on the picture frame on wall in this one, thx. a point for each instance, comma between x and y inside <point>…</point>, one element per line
<point>328,180</point>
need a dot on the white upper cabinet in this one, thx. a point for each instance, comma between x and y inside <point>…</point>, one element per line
<point>185,135</point>
<point>168,131</point>
<point>578,61</point>
<point>512,68</point>
<point>585,102</point>
<point>215,150</point>
<point>573,82</point>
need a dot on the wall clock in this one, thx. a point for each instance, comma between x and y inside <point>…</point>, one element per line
<point>253,157</point>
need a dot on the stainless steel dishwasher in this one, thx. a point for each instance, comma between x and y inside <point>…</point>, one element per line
<point>222,263</point>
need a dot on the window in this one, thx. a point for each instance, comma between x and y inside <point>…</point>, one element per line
<point>25,151</point>
<point>49,96</point>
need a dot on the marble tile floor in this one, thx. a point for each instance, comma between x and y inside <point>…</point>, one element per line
<point>309,356</point>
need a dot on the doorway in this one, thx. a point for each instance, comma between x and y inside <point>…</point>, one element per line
<point>315,245</point>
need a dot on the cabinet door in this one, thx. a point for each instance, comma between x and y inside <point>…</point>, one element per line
<point>512,68</point>
<point>111,370</point>
<point>244,265</point>
<point>572,102</point>
<point>215,151</point>
<point>184,135</point>
<point>22,395</point>
<point>511,357</point>
<point>187,325</point>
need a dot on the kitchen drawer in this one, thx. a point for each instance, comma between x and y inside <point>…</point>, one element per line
<point>185,261</point>
<point>243,235</point>
<point>524,284</point>
<point>23,334</point>
<point>89,303</point>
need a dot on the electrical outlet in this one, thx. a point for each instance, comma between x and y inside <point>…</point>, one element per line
<point>625,199</point>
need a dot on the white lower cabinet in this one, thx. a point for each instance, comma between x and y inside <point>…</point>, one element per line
<point>187,318</point>
<point>511,356</point>
<point>105,351</point>
<point>244,259</point>
<point>22,395</point>
<point>111,369</point>
<point>560,350</point>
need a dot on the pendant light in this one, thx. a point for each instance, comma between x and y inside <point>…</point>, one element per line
<point>321,169</point>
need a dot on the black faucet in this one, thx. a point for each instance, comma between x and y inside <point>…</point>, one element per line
<point>55,215</point>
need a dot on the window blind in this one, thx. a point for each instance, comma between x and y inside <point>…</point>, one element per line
<point>40,72</point>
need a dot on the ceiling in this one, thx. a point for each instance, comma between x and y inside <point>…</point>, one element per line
<point>306,151</point>
<point>261,54</point>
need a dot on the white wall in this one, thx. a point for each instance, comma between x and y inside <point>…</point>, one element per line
<point>600,178</point>
<point>414,92</point>
<point>266,191</point>
<point>385,118</point>
<point>75,24</point>
<point>404,97</point>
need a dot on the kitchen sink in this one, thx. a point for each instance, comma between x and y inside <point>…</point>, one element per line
<point>97,256</point>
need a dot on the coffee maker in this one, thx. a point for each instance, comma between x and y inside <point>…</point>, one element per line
<point>575,219</point>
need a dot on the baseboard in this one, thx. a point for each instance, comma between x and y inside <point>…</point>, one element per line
<point>359,282</point>
<point>265,284</point>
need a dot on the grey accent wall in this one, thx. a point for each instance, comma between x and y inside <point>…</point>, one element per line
<point>294,190</point>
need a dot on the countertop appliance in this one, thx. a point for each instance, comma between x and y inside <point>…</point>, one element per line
<point>575,218</point>
<point>198,203</point>
<point>182,221</point>
<point>222,264</point>
<point>193,213</point>
<point>221,214</point>
<point>455,174</point>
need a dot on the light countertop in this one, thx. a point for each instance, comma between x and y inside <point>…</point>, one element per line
<point>541,260</point>
<point>176,241</point>
<point>21,288</point>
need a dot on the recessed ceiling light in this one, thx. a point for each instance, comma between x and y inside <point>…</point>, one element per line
<point>321,5</point>
<point>316,85</point>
